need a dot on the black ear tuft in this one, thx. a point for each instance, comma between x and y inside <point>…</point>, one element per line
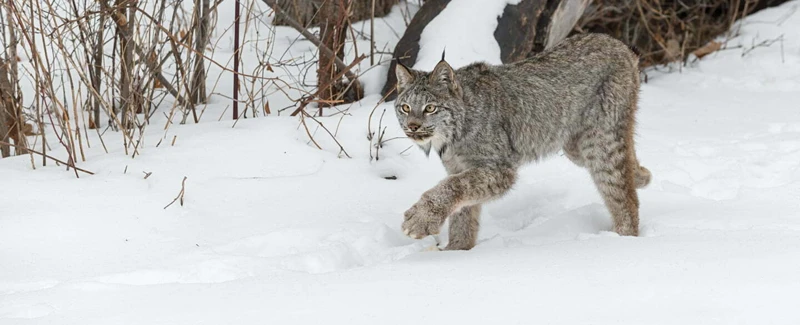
<point>443,53</point>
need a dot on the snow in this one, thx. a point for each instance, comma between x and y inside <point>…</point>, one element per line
<point>468,40</point>
<point>276,231</point>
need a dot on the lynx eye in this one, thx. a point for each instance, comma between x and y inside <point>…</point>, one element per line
<point>405,108</point>
<point>430,109</point>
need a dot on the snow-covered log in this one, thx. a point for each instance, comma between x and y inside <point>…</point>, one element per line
<point>522,28</point>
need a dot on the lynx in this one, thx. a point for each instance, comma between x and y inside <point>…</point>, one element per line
<point>485,121</point>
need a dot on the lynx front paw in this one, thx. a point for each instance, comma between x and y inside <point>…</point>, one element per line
<point>627,231</point>
<point>458,245</point>
<point>422,220</point>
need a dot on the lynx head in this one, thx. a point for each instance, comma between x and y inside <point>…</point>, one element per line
<point>427,102</point>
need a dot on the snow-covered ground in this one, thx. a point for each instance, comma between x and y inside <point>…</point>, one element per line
<point>276,231</point>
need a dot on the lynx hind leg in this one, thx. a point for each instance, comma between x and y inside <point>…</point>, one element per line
<point>609,158</point>
<point>643,176</point>
<point>573,152</point>
<point>463,229</point>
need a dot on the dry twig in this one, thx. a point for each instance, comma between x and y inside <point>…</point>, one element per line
<point>180,194</point>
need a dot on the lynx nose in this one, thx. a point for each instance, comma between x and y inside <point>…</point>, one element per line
<point>413,126</point>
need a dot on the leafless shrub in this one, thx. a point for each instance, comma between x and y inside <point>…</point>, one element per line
<point>80,71</point>
<point>667,30</point>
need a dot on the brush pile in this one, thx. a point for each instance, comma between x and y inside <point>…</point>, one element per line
<point>668,30</point>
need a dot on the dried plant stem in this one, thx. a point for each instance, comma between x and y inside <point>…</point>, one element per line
<point>308,132</point>
<point>326,130</point>
<point>180,194</point>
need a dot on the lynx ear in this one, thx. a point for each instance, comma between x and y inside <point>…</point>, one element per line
<point>444,75</point>
<point>404,77</point>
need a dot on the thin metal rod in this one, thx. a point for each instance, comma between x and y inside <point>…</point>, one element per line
<point>236,63</point>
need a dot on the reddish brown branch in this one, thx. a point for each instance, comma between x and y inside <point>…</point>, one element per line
<point>310,99</point>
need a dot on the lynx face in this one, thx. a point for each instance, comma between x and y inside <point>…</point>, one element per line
<point>420,116</point>
<point>427,102</point>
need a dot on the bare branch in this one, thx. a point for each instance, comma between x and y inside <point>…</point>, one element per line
<point>313,39</point>
<point>332,80</point>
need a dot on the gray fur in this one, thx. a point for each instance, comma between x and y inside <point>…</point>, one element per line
<point>580,96</point>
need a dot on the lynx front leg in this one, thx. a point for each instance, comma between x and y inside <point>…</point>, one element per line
<point>471,187</point>
<point>464,226</point>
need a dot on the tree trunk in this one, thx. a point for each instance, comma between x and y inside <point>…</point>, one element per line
<point>11,49</point>
<point>201,11</point>
<point>306,11</point>
<point>125,15</point>
<point>5,130</point>
<point>333,35</point>
<point>96,73</point>
<point>13,121</point>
